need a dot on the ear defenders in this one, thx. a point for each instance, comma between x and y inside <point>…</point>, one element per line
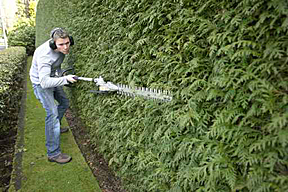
<point>52,43</point>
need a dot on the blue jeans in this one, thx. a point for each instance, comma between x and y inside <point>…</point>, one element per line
<point>54,115</point>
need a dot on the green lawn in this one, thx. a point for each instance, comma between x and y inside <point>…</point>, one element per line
<point>39,175</point>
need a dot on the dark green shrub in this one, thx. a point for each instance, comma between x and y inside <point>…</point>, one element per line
<point>12,65</point>
<point>24,35</point>
<point>226,65</point>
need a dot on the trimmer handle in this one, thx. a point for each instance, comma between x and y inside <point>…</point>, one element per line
<point>63,73</point>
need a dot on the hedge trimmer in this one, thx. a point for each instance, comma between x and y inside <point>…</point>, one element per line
<point>109,87</point>
<point>106,87</point>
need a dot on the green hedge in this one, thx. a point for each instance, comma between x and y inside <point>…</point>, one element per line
<point>23,35</point>
<point>225,63</point>
<point>12,65</point>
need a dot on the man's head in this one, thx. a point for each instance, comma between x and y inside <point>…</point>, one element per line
<point>60,40</point>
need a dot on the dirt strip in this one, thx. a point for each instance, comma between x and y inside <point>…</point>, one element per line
<point>19,146</point>
<point>107,180</point>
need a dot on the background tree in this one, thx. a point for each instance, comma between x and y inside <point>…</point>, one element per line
<point>23,32</point>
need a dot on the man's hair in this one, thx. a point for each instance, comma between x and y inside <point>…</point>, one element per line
<point>59,33</point>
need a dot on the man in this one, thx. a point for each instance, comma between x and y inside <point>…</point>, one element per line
<point>46,64</point>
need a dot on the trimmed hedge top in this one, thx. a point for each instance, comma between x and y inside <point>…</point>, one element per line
<point>12,55</point>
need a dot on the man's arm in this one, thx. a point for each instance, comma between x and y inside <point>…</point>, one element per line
<point>44,68</point>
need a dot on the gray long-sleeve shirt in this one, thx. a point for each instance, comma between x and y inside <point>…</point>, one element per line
<point>45,64</point>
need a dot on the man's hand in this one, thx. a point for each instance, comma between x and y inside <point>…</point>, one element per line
<point>70,78</point>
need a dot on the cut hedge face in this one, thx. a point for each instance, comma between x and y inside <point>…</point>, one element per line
<point>225,63</point>
<point>12,65</point>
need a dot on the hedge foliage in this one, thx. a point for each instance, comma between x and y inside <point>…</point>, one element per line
<point>23,35</point>
<point>226,65</point>
<point>12,65</point>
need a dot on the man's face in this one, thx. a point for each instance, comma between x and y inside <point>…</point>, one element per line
<point>63,45</point>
